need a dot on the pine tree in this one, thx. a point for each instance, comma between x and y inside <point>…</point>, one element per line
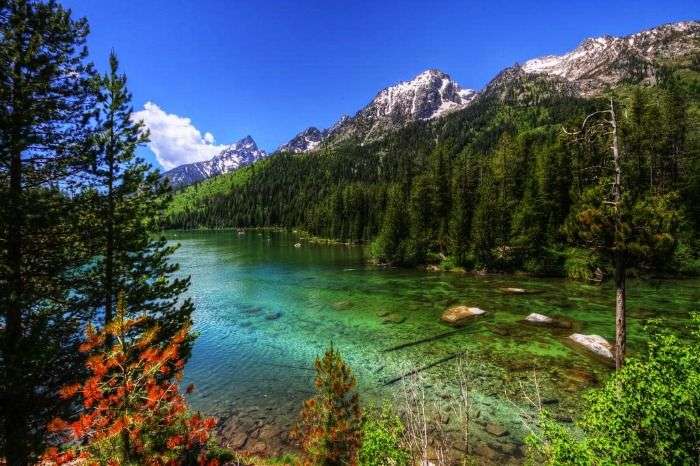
<point>44,106</point>
<point>128,197</point>
<point>329,430</point>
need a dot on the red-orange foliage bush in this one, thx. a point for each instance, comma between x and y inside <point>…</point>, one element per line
<point>132,410</point>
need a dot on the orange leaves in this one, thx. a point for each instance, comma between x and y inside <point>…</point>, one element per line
<point>69,391</point>
<point>175,441</point>
<point>132,407</point>
<point>97,365</point>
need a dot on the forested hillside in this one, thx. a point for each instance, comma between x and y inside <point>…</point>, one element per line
<point>490,186</point>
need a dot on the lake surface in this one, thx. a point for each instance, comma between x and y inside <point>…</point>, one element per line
<point>265,309</point>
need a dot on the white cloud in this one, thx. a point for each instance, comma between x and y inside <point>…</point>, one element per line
<point>174,139</point>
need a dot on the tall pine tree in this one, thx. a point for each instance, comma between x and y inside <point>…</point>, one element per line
<point>127,198</point>
<point>44,106</point>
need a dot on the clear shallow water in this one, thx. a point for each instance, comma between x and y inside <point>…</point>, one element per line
<point>265,310</point>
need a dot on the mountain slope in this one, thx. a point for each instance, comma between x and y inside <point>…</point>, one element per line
<point>307,140</point>
<point>491,184</point>
<point>239,154</point>
<point>595,65</point>
<point>601,63</point>
<point>429,95</point>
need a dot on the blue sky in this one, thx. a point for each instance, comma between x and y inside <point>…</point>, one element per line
<point>271,69</point>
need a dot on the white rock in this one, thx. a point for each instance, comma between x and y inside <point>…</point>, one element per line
<point>514,290</point>
<point>594,343</point>
<point>539,318</point>
<point>297,245</point>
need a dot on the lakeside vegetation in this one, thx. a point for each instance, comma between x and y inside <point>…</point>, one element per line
<point>96,326</point>
<point>496,186</point>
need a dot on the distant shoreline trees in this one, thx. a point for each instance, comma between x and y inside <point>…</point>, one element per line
<point>492,187</point>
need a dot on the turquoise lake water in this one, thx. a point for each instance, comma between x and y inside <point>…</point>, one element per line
<point>265,309</point>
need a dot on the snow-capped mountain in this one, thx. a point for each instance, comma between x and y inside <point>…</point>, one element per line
<point>307,140</point>
<point>602,62</point>
<point>239,154</point>
<point>429,95</point>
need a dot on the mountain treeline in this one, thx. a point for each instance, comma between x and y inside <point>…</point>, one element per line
<point>496,185</point>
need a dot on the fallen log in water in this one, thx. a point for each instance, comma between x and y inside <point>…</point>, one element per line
<point>433,338</point>
<point>421,369</point>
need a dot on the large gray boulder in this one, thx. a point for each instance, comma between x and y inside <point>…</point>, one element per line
<point>594,343</point>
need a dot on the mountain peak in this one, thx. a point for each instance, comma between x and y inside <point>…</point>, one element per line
<point>247,142</point>
<point>600,62</point>
<point>307,140</point>
<point>239,154</point>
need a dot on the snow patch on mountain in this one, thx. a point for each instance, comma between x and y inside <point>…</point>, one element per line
<point>604,61</point>
<point>307,140</point>
<point>233,157</point>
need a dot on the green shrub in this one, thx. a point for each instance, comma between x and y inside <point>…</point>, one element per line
<point>579,264</point>
<point>647,413</point>
<point>382,433</point>
<point>686,260</point>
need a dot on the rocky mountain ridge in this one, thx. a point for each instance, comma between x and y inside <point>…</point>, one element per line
<point>237,155</point>
<point>596,65</point>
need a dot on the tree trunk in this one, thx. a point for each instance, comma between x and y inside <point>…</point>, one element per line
<point>620,266</point>
<point>109,253</point>
<point>620,314</point>
<point>16,428</point>
<point>15,419</point>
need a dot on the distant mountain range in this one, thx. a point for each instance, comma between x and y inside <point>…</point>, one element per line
<point>238,154</point>
<point>596,65</point>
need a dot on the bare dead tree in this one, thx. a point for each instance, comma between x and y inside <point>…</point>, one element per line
<point>604,123</point>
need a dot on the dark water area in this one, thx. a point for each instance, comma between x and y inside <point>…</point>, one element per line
<point>265,309</point>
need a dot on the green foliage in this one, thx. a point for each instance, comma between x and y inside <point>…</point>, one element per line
<point>45,102</point>
<point>329,428</point>
<point>491,186</point>
<point>382,436</point>
<point>648,234</point>
<point>647,413</point>
<point>579,263</point>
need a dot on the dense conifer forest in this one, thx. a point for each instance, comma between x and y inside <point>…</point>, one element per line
<point>96,316</point>
<point>496,186</point>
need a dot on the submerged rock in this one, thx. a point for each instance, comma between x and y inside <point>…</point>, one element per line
<point>393,319</point>
<point>593,343</point>
<point>496,430</point>
<point>509,290</point>
<point>458,314</point>
<point>541,319</point>
<point>536,318</point>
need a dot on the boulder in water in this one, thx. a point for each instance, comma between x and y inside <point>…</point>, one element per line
<point>593,343</point>
<point>458,314</point>
<point>510,290</point>
<point>536,318</point>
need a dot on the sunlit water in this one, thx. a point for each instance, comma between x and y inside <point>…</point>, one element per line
<point>265,309</point>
